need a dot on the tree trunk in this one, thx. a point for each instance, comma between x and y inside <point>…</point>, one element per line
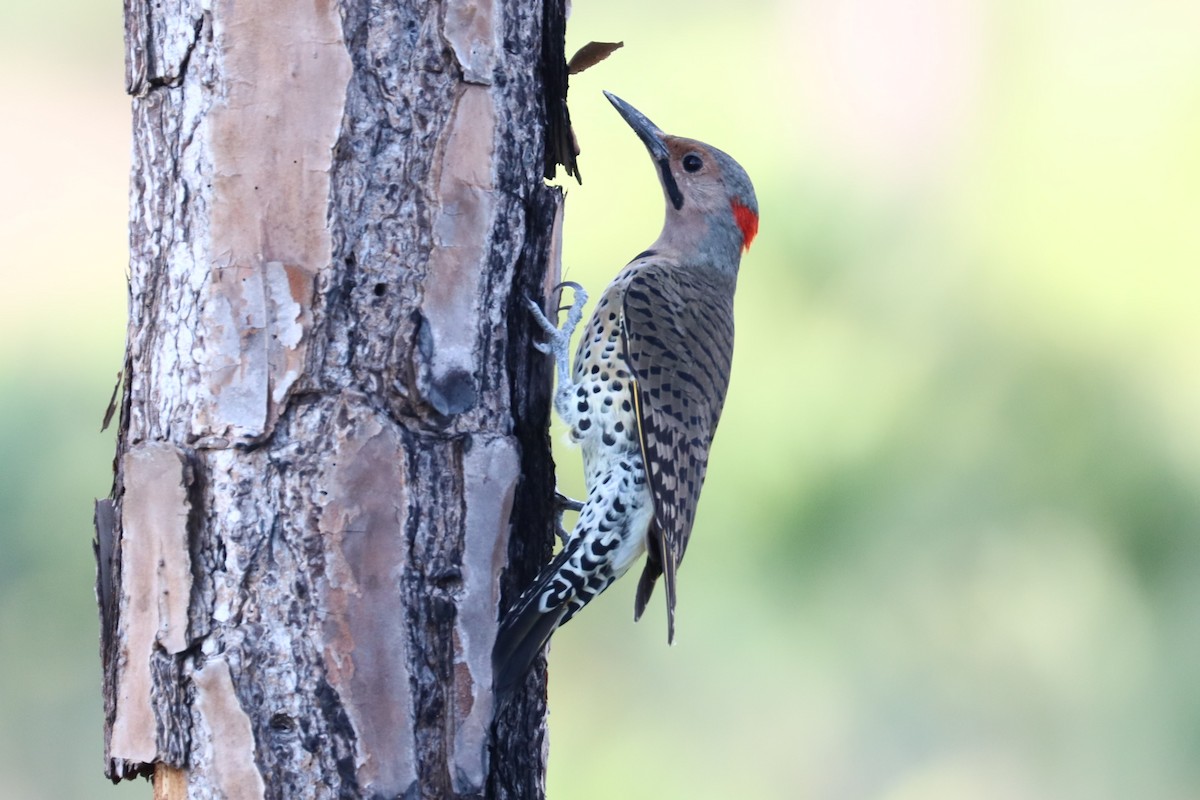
<point>332,417</point>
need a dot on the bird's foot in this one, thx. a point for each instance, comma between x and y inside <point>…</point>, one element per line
<point>558,341</point>
<point>562,503</point>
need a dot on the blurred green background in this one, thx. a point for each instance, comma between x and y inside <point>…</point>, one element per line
<point>948,545</point>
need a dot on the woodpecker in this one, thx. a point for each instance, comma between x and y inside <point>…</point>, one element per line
<point>644,398</point>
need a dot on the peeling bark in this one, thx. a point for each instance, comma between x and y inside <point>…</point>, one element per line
<point>226,734</point>
<point>156,585</point>
<point>333,466</point>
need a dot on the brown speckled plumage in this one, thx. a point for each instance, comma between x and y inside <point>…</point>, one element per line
<point>644,397</point>
<point>677,330</point>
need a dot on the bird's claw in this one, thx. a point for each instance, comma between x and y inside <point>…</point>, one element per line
<point>559,339</point>
<point>563,503</point>
<point>575,310</point>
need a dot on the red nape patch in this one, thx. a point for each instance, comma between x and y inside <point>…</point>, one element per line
<point>747,220</point>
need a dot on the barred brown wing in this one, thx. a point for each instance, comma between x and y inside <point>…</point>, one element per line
<point>677,331</point>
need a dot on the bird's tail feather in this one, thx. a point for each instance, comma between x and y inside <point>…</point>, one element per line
<point>657,554</point>
<point>645,587</point>
<point>670,569</point>
<point>525,629</point>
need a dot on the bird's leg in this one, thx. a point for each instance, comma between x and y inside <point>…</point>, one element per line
<point>558,344</point>
<point>563,503</point>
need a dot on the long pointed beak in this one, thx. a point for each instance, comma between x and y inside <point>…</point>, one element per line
<point>650,134</point>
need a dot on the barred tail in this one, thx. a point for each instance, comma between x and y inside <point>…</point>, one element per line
<point>657,555</point>
<point>525,630</point>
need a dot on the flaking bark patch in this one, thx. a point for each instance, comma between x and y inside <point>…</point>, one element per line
<point>466,208</point>
<point>230,736</point>
<point>490,470</point>
<point>470,28</point>
<point>156,586</point>
<point>363,517</point>
<point>271,137</point>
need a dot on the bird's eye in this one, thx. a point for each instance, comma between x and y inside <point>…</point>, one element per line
<point>692,162</point>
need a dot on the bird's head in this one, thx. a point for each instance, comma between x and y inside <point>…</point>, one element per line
<point>711,207</point>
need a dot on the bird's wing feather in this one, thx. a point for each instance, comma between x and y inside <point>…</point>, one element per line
<point>677,331</point>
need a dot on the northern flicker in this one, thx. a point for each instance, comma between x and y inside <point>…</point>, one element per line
<point>643,401</point>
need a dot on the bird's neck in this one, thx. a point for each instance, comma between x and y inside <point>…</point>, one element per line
<point>701,241</point>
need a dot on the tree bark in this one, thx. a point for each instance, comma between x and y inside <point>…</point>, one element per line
<point>332,416</point>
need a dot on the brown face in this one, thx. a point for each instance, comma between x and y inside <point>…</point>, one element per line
<point>698,175</point>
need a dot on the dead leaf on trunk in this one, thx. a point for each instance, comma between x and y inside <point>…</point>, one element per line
<point>590,55</point>
<point>112,404</point>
